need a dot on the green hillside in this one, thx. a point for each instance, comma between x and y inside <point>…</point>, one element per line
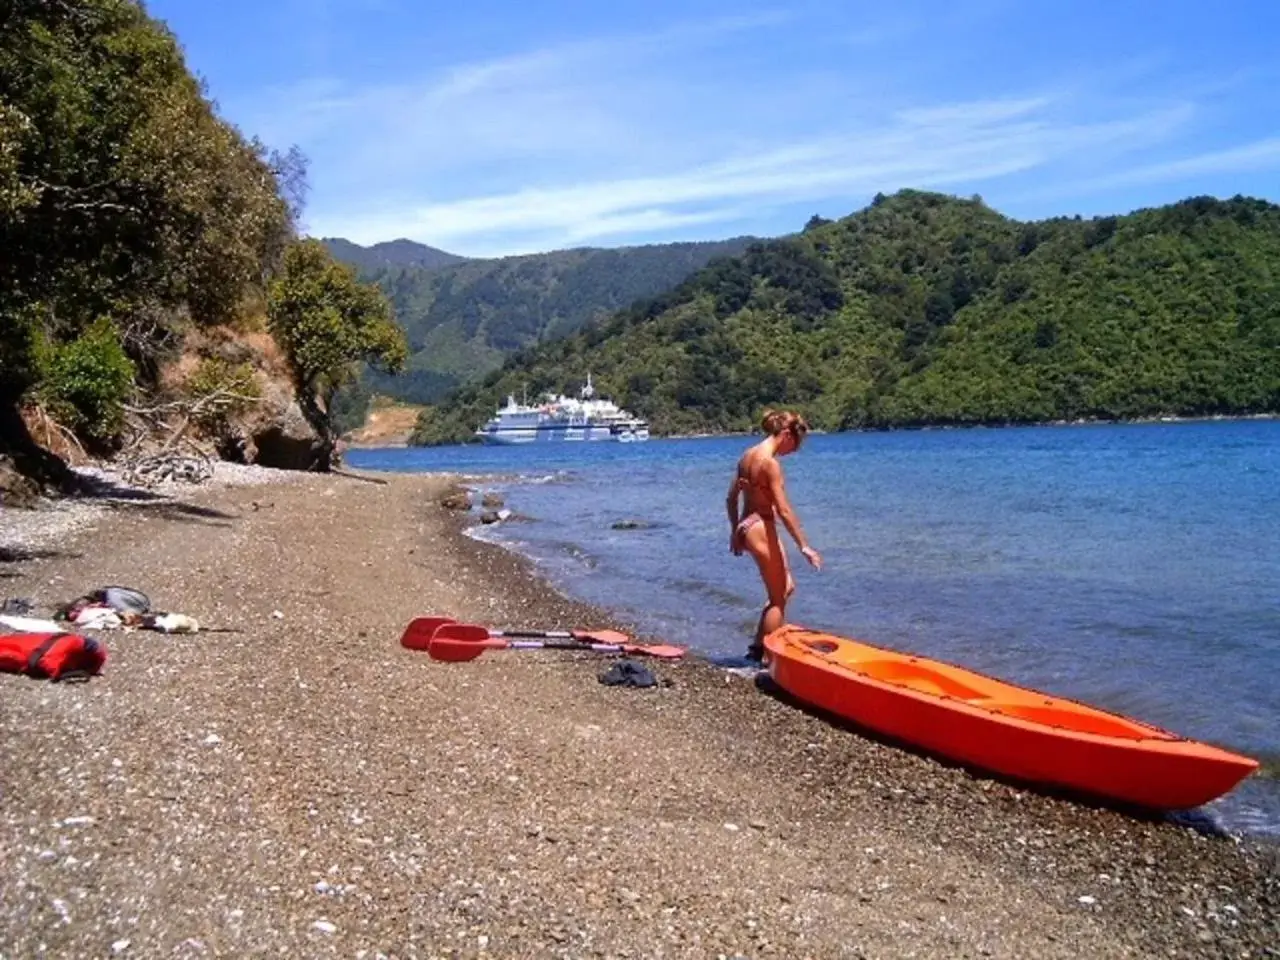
<point>391,253</point>
<point>465,318</point>
<point>928,309</point>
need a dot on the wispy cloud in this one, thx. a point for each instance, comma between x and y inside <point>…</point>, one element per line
<point>691,128</point>
<point>582,101</point>
<point>1260,155</point>
<point>1221,165</point>
<point>939,147</point>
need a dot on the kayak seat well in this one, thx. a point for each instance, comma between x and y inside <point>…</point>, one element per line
<point>918,677</point>
<point>825,647</point>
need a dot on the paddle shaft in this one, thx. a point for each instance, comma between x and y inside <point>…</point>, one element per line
<point>608,637</point>
<point>544,634</point>
<point>570,644</point>
<point>423,631</point>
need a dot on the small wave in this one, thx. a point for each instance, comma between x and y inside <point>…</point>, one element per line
<point>574,552</point>
<point>559,476</point>
<point>1242,812</point>
<point>1268,767</point>
<point>488,533</point>
<point>711,590</point>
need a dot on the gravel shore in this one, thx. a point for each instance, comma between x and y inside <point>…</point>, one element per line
<point>305,787</point>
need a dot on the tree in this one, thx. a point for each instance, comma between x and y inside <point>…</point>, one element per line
<point>329,323</point>
<point>126,205</point>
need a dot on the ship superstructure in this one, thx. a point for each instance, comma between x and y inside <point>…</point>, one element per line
<point>558,417</point>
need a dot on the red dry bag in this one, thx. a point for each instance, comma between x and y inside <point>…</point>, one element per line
<point>58,656</point>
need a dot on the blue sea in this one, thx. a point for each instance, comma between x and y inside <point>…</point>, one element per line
<point>1134,567</point>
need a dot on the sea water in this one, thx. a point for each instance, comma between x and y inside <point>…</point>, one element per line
<point>1133,567</point>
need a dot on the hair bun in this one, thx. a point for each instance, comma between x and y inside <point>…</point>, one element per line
<point>774,422</point>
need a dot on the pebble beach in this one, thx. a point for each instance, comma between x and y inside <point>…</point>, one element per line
<point>295,783</point>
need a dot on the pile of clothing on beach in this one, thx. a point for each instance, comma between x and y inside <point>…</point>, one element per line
<point>53,649</point>
<point>112,607</point>
<point>107,608</point>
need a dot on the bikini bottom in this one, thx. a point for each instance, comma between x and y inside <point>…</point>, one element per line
<point>747,522</point>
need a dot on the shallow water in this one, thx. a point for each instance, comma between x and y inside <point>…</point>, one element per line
<point>1134,567</point>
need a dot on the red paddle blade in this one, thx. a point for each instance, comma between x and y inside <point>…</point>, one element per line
<point>464,633</point>
<point>458,651</point>
<point>417,635</point>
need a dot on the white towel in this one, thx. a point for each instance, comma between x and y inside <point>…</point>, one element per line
<point>33,625</point>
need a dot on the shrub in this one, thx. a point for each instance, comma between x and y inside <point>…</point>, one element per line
<point>85,382</point>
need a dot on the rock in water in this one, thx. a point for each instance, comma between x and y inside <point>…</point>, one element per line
<point>457,501</point>
<point>631,525</point>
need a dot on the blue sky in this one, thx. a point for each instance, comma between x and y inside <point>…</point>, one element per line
<point>490,128</point>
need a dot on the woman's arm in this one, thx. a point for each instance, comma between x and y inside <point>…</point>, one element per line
<point>731,503</point>
<point>778,490</point>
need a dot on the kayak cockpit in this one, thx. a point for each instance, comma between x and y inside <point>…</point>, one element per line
<point>923,676</point>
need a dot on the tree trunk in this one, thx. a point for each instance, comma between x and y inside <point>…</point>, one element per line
<point>308,403</point>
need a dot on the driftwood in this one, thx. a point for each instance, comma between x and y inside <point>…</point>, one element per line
<point>46,429</point>
<point>157,450</point>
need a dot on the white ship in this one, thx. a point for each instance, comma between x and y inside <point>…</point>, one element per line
<point>563,418</point>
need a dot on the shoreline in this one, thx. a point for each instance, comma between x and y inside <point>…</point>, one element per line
<point>596,818</point>
<point>1011,425</point>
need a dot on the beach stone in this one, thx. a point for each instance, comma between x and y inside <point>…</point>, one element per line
<point>492,501</point>
<point>457,501</point>
<point>269,817</point>
<point>490,516</point>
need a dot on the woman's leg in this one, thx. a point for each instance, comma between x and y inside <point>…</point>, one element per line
<point>763,544</point>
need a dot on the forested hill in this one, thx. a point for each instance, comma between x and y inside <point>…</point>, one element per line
<point>465,318</point>
<point>391,253</point>
<point>927,309</point>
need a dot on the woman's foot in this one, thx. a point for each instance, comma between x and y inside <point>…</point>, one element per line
<point>755,652</point>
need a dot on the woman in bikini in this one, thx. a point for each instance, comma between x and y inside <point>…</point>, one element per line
<point>759,479</point>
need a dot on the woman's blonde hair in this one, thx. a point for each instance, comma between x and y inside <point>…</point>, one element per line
<point>774,422</point>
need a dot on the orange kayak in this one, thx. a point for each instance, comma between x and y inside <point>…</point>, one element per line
<point>984,723</point>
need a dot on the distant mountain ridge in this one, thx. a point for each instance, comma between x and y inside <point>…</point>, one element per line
<point>926,309</point>
<point>390,253</point>
<point>465,317</point>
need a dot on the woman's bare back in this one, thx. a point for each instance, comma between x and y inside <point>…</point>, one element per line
<point>755,480</point>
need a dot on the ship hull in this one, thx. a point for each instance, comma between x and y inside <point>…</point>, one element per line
<point>512,436</point>
<point>559,419</point>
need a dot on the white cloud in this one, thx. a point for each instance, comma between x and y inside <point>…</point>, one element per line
<point>943,146</point>
<point>608,138</point>
<point>594,100</point>
<point>1259,155</point>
